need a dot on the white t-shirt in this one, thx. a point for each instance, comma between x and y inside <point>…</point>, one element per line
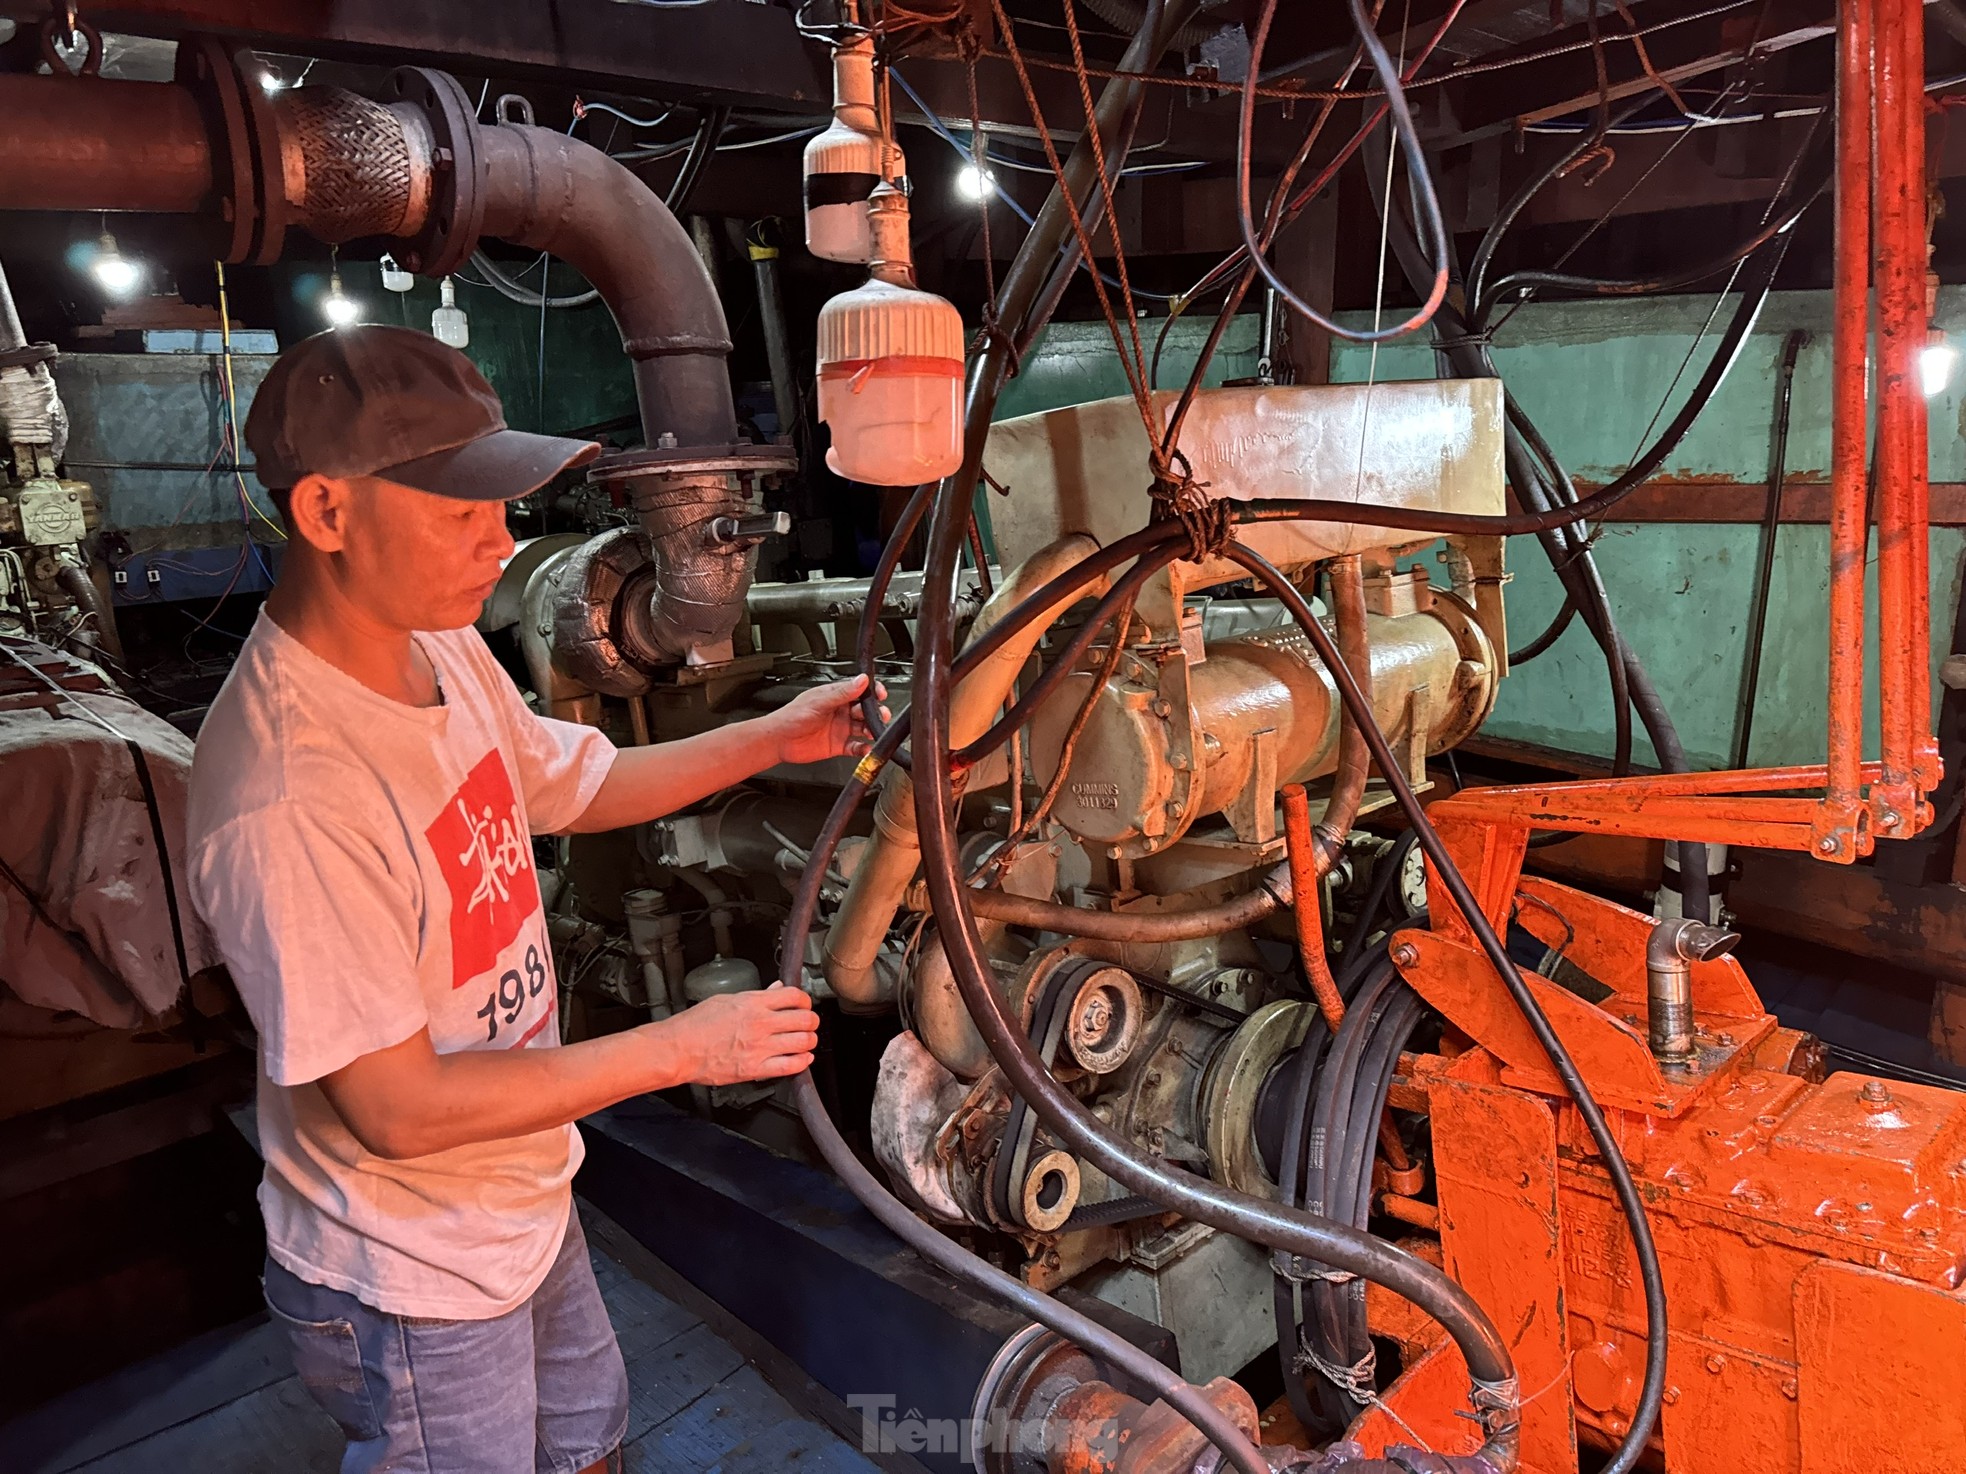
<point>366,867</point>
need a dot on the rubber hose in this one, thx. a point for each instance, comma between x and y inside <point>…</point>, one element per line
<point>1652,1390</point>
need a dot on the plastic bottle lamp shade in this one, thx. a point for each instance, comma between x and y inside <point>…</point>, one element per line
<point>891,367</point>
<point>448,324</point>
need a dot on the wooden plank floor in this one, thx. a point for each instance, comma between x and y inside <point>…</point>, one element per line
<point>228,1402</point>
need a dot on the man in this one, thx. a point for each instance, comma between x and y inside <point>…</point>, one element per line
<point>361,810</point>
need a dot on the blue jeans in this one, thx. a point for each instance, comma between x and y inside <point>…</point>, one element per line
<point>538,1390</point>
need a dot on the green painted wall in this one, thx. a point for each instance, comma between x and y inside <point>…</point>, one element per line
<point>1074,362</point>
<point>1593,374</point>
<point>587,378</point>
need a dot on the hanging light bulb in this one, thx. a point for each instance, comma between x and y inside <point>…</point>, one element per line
<point>974,184</point>
<point>1935,361</point>
<point>339,309</point>
<point>448,324</point>
<point>116,272</point>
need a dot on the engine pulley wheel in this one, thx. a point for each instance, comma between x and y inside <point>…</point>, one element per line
<point>1103,1020</point>
<point>1050,1191</point>
<point>1234,1084</point>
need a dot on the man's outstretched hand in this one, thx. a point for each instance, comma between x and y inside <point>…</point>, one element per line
<point>734,1037</point>
<point>825,722</point>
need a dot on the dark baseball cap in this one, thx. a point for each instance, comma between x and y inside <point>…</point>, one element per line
<point>392,402</point>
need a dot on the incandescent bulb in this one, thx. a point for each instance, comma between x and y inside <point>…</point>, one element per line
<point>973,183</point>
<point>116,272</point>
<point>1935,361</point>
<point>338,309</point>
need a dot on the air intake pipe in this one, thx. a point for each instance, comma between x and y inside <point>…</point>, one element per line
<point>418,167</point>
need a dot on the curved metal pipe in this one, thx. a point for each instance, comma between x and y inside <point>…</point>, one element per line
<point>553,193</point>
<point>1244,909</point>
<point>343,166</point>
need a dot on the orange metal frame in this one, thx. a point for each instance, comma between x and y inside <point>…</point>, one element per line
<point>1881,242</point>
<point>1810,1233</point>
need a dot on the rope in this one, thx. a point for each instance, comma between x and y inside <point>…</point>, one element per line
<point>1359,1381</point>
<point>1134,365</point>
<point>1177,496</point>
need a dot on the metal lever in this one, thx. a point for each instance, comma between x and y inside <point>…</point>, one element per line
<point>741,529</point>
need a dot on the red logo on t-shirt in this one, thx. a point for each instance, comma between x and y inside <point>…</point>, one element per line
<point>485,851</point>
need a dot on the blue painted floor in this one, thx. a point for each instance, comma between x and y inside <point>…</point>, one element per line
<point>228,1403</point>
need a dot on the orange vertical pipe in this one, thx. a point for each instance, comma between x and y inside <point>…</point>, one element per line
<point>1848,534</point>
<point>1903,614</point>
<point>1301,846</point>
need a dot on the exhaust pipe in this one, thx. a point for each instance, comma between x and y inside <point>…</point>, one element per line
<point>419,168</point>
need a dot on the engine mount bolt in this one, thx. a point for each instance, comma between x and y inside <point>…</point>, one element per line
<point>1875,1092</point>
<point>1406,954</point>
<point>1827,844</point>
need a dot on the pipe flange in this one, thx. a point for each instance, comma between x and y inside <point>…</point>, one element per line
<point>269,170</point>
<point>739,459</point>
<point>206,67</point>
<point>457,201</point>
<point>585,597</point>
<point>1029,1372</point>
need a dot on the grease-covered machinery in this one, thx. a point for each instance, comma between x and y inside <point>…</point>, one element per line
<point>1135,904</point>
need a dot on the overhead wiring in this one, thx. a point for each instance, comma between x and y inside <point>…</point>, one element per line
<point>1432,225</point>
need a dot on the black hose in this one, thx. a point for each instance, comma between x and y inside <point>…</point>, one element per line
<point>1332,1127</point>
<point>1651,1393</point>
<point>1566,611</point>
<point>1529,281</point>
<point>870,612</point>
<point>511,288</point>
<point>1293,1168</point>
<point>1764,563</point>
<point>709,132</point>
<point>1437,238</point>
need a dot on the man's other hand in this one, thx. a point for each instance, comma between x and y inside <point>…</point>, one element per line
<point>825,722</point>
<point>733,1037</point>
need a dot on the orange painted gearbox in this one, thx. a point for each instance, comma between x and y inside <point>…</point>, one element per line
<point>1812,1235</point>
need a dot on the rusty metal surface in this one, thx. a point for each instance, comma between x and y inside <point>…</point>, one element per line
<point>87,143</point>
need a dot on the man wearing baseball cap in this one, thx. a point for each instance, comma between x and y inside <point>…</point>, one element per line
<point>362,805</point>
